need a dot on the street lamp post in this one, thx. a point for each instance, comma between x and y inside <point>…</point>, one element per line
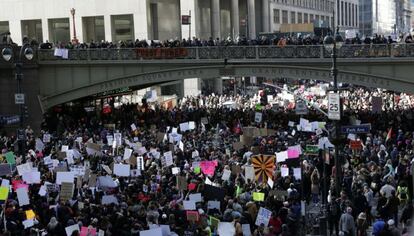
<point>332,44</point>
<point>74,40</point>
<point>26,54</point>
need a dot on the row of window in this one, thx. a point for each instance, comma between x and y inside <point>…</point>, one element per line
<point>297,17</point>
<point>321,5</point>
<point>348,14</point>
<point>122,27</point>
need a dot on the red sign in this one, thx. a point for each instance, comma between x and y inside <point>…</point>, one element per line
<point>355,145</point>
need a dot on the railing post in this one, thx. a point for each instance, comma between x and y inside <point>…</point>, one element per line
<point>322,56</point>
<point>257,51</point>
<point>197,53</point>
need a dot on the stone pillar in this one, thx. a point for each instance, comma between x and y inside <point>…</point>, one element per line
<point>265,16</point>
<point>108,28</point>
<point>215,19</point>
<point>235,18</point>
<point>251,19</point>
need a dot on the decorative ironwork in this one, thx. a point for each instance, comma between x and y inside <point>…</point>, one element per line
<point>240,52</point>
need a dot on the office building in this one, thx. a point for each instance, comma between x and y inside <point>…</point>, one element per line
<point>317,12</point>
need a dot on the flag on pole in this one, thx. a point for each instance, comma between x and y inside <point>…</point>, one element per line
<point>389,135</point>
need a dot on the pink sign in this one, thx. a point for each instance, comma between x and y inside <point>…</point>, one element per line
<point>16,184</point>
<point>208,167</point>
<point>85,231</point>
<point>292,153</point>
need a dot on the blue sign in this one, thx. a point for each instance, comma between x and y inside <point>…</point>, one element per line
<point>9,120</point>
<point>356,129</point>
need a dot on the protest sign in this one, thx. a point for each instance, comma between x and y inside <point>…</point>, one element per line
<point>208,167</point>
<point>281,156</point>
<point>66,191</point>
<point>10,158</point>
<point>127,153</point>
<point>30,214</point>
<point>46,138</point>
<point>196,197</point>
<point>23,196</point>
<point>226,228</point>
<point>109,199</point>
<point>175,170</point>
<point>263,217</point>
<point>28,223</point>
<point>32,177</point>
<point>284,171</point>
<point>297,173</point>
<point>87,231</point>
<point>68,177</point>
<point>189,205</point>
<point>226,175</point>
<point>263,166</point>
<point>192,216</point>
<point>122,170</point>
<point>258,117</point>
<point>237,146</point>
<point>235,169</point>
<point>249,172</point>
<point>151,232</point>
<point>213,205</point>
<point>168,158</point>
<point>4,193</point>
<point>246,230</point>
<point>70,229</point>
<point>192,186</point>
<point>258,197</point>
<point>182,183</point>
<point>23,168</point>
<point>184,127</point>
<point>106,181</point>
<point>270,182</point>
<point>214,222</point>
<point>5,169</point>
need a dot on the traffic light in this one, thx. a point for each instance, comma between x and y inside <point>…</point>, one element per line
<point>25,111</point>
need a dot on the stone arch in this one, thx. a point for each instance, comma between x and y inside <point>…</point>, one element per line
<point>270,71</point>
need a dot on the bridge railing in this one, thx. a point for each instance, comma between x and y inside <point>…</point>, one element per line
<point>232,52</point>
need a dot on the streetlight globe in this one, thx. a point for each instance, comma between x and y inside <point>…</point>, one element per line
<point>28,53</point>
<point>7,54</point>
<point>328,42</point>
<point>339,40</point>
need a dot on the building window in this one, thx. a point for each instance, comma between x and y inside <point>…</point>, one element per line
<point>4,27</point>
<point>276,16</point>
<point>342,13</point>
<point>317,19</point>
<point>346,14</point>
<point>32,30</point>
<point>311,18</point>
<point>337,13</point>
<point>122,27</point>
<point>93,28</point>
<point>284,17</point>
<point>293,17</point>
<point>59,31</point>
<point>352,14</point>
<point>305,18</point>
<point>300,18</point>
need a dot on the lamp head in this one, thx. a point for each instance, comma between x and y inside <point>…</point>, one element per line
<point>7,53</point>
<point>28,53</point>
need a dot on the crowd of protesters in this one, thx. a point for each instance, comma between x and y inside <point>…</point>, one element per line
<point>240,41</point>
<point>376,186</point>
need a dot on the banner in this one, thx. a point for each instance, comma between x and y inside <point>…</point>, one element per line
<point>263,166</point>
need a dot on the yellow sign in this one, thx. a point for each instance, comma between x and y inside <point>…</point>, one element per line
<point>258,197</point>
<point>30,214</point>
<point>4,193</point>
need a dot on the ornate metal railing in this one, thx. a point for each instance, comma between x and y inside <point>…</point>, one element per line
<point>232,52</point>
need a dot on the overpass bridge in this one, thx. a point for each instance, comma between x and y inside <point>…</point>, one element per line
<point>87,72</point>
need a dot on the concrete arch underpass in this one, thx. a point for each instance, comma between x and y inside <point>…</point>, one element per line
<point>50,98</point>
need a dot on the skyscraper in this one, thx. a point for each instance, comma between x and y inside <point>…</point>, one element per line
<point>386,17</point>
